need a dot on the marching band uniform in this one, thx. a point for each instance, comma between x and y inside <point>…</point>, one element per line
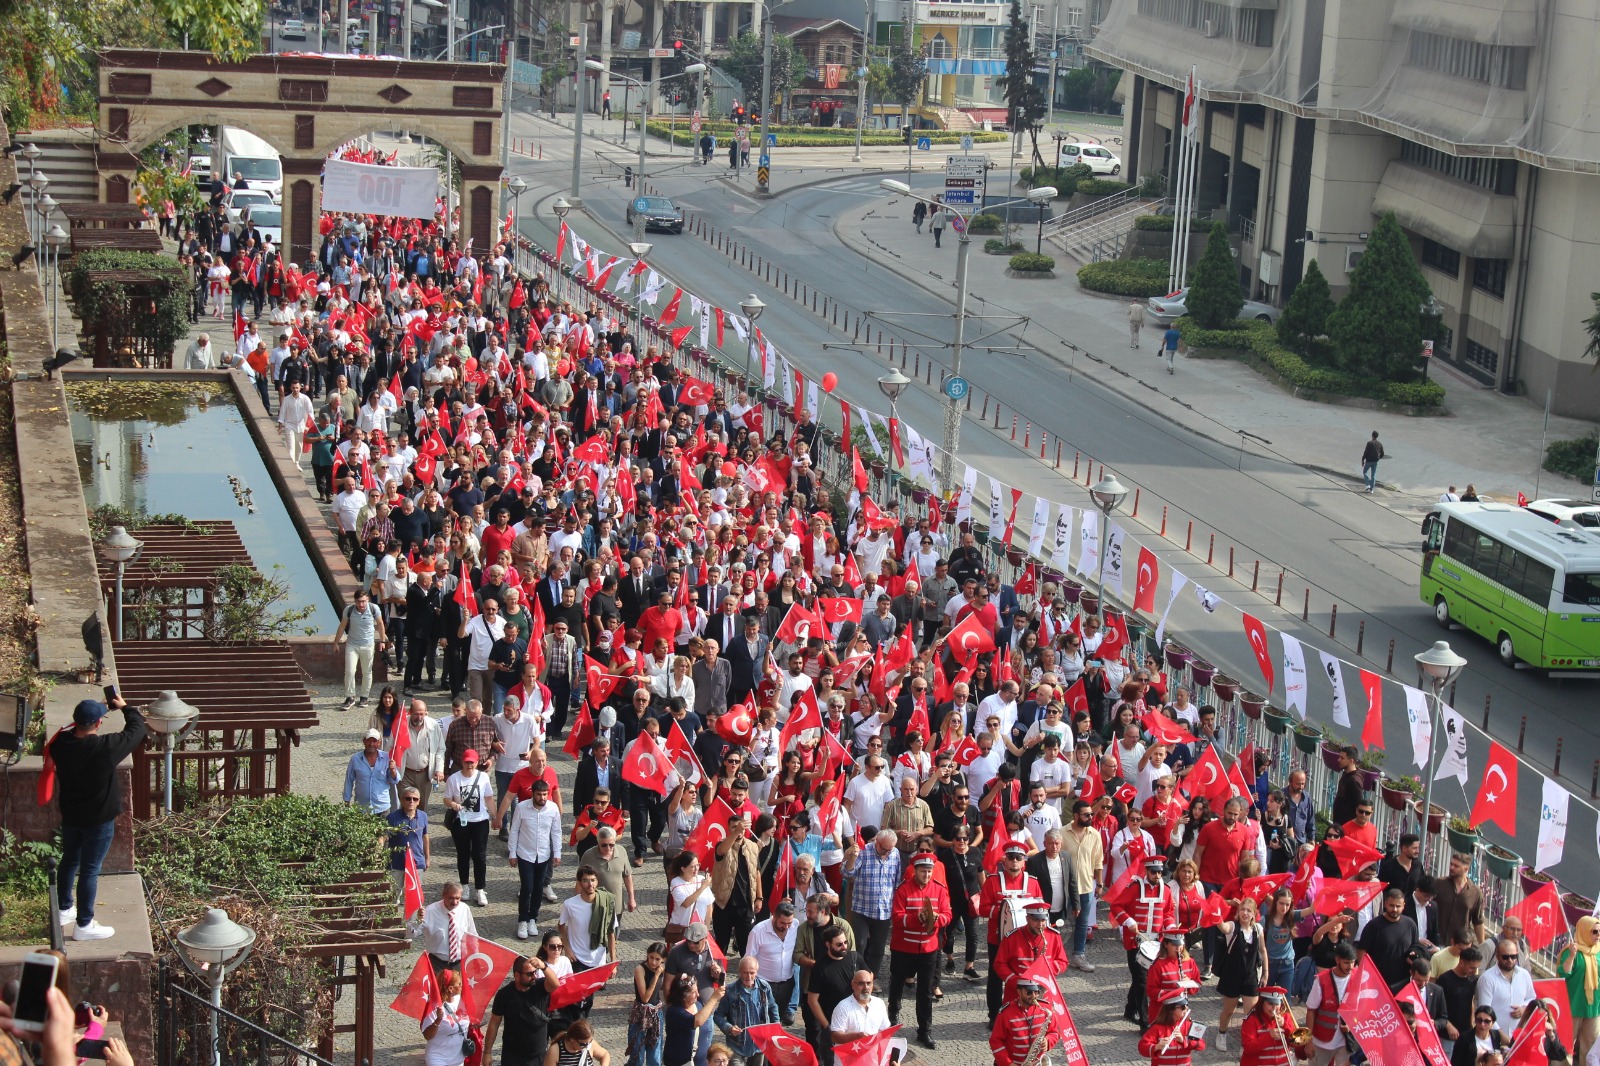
<point>1023,947</point>
<point>1144,906</point>
<point>996,889</point>
<point>1263,1039</point>
<point>1161,1045</point>
<point>1017,1027</point>
<point>914,948</point>
<point>1168,976</point>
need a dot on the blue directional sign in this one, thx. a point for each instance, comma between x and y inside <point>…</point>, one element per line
<point>924,144</point>
<point>772,140</point>
<point>641,204</point>
<point>766,160</point>
<point>957,388</point>
<point>959,196</point>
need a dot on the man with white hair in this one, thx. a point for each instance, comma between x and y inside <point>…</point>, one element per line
<point>877,875</point>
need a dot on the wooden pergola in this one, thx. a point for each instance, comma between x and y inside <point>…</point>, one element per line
<point>169,590</point>
<point>104,216</point>
<point>358,920</point>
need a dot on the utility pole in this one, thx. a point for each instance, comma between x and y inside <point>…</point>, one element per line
<point>575,196</point>
<point>861,76</point>
<point>1055,52</point>
<point>762,185</point>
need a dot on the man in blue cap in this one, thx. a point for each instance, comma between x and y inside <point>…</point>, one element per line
<point>86,765</point>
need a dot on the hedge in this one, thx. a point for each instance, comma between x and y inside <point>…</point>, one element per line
<point>1098,187</point>
<point>1261,340</point>
<point>1064,179</point>
<point>807,137</point>
<point>1574,458</point>
<point>1125,277</point>
<point>982,224</point>
<point>1167,223</point>
<point>999,245</point>
<point>1033,261</point>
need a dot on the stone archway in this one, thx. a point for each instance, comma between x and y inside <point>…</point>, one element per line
<point>305,106</point>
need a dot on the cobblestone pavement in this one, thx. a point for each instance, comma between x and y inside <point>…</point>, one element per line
<point>959,1020</point>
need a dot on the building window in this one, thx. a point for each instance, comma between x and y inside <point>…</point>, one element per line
<point>1480,358</point>
<point>1502,66</point>
<point>1441,258</point>
<point>1255,27</point>
<point>1248,26</point>
<point>836,53</point>
<point>1489,275</point>
<point>1499,176</point>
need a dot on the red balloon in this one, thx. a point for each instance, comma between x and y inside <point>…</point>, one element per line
<point>829,380</point>
<point>729,470</point>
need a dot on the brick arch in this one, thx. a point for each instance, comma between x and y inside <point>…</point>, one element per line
<point>306,107</point>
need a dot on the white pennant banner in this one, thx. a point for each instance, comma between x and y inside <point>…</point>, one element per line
<point>1294,675</point>
<point>1453,762</point>
<point>1041,523</point>
<point>1112,575</point>
<point>1553,825</point>
<point>1421,726</point>
<point>1061,556</point>
<point>969,482</point>
<point>866,425</point>
<point>996,519</point>
<point>1089,543</point>
<point>1335,672</point>
<point>1178,581</point>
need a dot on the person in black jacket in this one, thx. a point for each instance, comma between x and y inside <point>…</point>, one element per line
<point>423,606</point>
<point>86,766</point>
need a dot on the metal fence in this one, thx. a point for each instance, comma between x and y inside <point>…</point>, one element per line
<point>192,1031</point>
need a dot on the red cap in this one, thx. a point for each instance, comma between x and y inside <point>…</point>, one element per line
<point>470,755</point>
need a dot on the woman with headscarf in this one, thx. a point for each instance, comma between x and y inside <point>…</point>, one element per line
<point>1580,965</point>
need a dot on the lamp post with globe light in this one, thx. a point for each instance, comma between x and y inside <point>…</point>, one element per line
<point>119,549</point>
<point>212,948</point>
<point>752,307</point>
<point>892,385</point>
<point>1436,668</point>
<point>170,717</point>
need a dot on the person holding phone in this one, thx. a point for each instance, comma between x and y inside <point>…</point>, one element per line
<point>44,1014</point>
<point>86,767</point>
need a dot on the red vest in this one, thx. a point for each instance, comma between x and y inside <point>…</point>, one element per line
<point>1324,1020</point>
<point>1021,948</point>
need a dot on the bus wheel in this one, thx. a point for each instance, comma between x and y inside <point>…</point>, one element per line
<point>1441,612</point>
<point>1508,652</point>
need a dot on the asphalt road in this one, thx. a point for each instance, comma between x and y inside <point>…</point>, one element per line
<point>1307,521</point>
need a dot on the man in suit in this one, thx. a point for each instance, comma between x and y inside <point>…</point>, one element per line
<point>423,605</point>
<point>727,625</point>
<point>747,657</point>
<point>1009,637</point>
<point>709,597</point>
<point>551,587</point>
<point>562,674</point>
<point>600,767</point>
<point>1052,868</point>
<point>636,591</point>
<point>1004,597</point>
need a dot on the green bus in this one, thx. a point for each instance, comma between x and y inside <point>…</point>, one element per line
<point>1528,586</point>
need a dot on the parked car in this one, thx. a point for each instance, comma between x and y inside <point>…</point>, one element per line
<point>1164,310</point>
<point>1569,514</point>
<point>1096,157</point>
<point>242,200</point>
<point>268,218</point>
<point>293,30</point>
<point>658,212</point>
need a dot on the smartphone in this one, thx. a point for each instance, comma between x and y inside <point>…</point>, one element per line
<point>111,694</point>
<point>33,1007</point>
<point>92,1049</point>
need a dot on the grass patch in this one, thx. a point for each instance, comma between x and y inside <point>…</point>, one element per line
<point>24,920</point>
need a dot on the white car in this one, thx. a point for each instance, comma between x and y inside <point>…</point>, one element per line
<point>293,30</point>
<point>251,200</point>
<point>1569,514</point>
<point>268,218</point>
<point>1165,310</point>
<point>1098,158</point>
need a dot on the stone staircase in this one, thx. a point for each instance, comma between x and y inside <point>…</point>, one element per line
<point>1099,230</point>
<point>955,119</point>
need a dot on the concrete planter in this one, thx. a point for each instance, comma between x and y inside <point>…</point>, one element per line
<point>1030,275</point>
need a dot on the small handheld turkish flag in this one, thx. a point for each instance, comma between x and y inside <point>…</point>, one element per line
<point>1336,895</point>
<point>781,1047</point>
<point>580,986</point>
<point>970,638</point>
<point>839,609</point>
<point>647,765</point>
<point>420,995</point>
<point>412,901</point>
<point>695,393</point>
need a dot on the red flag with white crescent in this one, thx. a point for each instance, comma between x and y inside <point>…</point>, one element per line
<point>1372,730</point>
<point>420,996</point>
<point>1543,917</point>
<point>1497,795</point>
<point>412,899</point>
<point>580,986</point>
<point>709,832</point>
<point>1256,634</point>
<point>1144,596</point>
<point>646,765</point>
<point>781,1047</point>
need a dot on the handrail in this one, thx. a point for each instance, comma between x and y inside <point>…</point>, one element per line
<point>1097,208</point>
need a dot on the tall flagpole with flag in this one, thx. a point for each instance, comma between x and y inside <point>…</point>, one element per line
<point>1183,204</point>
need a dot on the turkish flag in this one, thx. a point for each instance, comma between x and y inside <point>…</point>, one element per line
<point>580,986</point>
<point>965,751</point>
<point>1261,888</point>
<point>646,765</point>
<point>485,966</point>
<point>463,593</point>
<point>1352,855</point>
<point>1303,875</point>
<point>1011,520</point>
<point>1062,1025</point>
<point>1144,595</point>
<point>1075,698</point>
<point>1028,583</point>
<point>738,725</point>
<point>781,1047</point>
<point>895,447</point>
<point>836,609</point>
<point>1428,1041</point>
<point>1238,784</point>
<point>1209,778</point>
<point>999,839</point>
<point>828,813</point>
<point>1543,918</point>
<point>1091,786</point>
<point>1213,911</point>
<point>872,515</point>
<point>601,684</point>
<point>695,393</point>
<point>1527,1045</point>
<point>804,715</point>
<point>1373,1016</point>
<point>1336,895</point>
<point>582,734</point>
<point>858,470</point>
<point>592,450</point>
<point>1372,729</point>
<point>838,757</point>
<point>871,1050</point>
<point>395,390</point>
<point>411,900</point>
<point>783,878</point>
<point>1115,640</point>
<point>1256,634</point>
<point>847,670</point>
<point>1498,803</point>
<point>1165,729</point>
<point>1555,989</point>
<point>798,625</point>
<point>678,750</point>
<point>1126,792</point>
<point>970,638</point>
<point>420,996</point>
<point>709,832</point>
<point>400,742</point>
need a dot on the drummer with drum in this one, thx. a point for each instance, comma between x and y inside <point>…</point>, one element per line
<point>1002,902</point>
<point>1143,909</point>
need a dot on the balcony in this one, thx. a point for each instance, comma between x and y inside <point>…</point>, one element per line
<point>982,62</point>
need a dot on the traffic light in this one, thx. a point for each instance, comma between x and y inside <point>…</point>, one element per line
<point>738,115</point>
<point>677,47</point>
<point>905,134</point>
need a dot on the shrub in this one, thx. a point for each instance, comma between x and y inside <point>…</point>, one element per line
<point>1378,328</point>
<point>1033,261</point>
<point>1100,187</point>
<point>999,246</point>
<point>1574,458</point>
<point>1298,373</point>
<point>1154,184</point>
<point>1214,298</point>
<point>1064,179</point>
<point>982,224</point>
<point>1156,223</point>
<point>1125,277</point>
<point>1238,334</point>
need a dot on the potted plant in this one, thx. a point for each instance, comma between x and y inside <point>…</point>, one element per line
<point>1201,672</point>
<point>1399,792</point>
<point>1371,763</point>
<point>1308,737</point>
<point>879,467</point>
<point>1576,907</point>
<point>1435,817</point>
<point>1502,862</point>
<point>1252,704</point>
<point>1225,687</point>
<point>1177,654</point>
<point>1532,880</point>
<point>1071,591</point>
<point>1013,555</point>
<point>1276,721</point>
<point>1461,834</point>
<point>1089,602</point>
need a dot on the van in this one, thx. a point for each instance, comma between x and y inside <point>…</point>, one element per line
<point>1098,158</point>
<point>253,159</point>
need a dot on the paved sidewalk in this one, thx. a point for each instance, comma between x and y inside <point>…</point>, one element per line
<point>1484,438</point>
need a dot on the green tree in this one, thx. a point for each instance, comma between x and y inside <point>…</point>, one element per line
<point>1591,326</point>
<point>1077,89</point>
<point>1379,327</point>
<point>1305,317</point>
<point>1024,98</point>
<point>744,66</point>
<point>1214,298</point>
<point>908,70</point>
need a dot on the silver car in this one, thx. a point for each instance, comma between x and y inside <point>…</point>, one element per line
<point>1164,310</point>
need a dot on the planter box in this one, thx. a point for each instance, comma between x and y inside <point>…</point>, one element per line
<point>1030,275</point>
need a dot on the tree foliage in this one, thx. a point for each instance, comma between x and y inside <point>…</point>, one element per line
<point>1591,326</point>
<point>1024,98</point>
<point>1214,298</point>
<point>1379,327</point>
<point>1089,88</point>
<point>1305,317</point>
<point>744,66</point>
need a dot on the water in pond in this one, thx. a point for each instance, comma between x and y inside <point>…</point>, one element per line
<point>170,448</point>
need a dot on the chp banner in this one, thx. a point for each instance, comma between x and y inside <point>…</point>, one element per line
<point>410,192</point>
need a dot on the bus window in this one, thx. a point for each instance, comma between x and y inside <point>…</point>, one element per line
<point>1432,532</point>
<point>1583,589</point>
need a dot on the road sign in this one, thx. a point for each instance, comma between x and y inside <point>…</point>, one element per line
<point>966,166</point>
<point>1427,349</point>
<point>762,175</point>
<point>772,140</point>
<point>957,388</point>
<point>960,183</point>
<point>641,204</point>
<point>660,53</point>
<point>966,142</point>
<point>924,144</point>
<point>959,196</point>
<point>764,160</point>
<point>694,122</point>
<point>964,178</point>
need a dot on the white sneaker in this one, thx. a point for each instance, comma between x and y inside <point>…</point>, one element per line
<point>550,895</point>
<point>1082,963</point>
<point>522,930</point>
<point>483,898</point>
<point>93,931</point>
<point>1222,1041</point>
<point>66,917</point>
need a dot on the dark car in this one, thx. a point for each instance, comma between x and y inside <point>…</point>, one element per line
<point>658,212</point>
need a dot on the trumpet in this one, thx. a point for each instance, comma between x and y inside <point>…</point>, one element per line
<point>1294,1036</point>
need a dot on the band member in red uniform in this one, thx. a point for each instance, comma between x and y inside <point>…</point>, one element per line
<point>1264,1038</point>
<point>921,909</point>
<point>1034,941</point>
<point>1174,969</point>
<point>1175,1036</point>
<point>1143,908</point>
<point>1020,1024</point>
<point>1009,882</point>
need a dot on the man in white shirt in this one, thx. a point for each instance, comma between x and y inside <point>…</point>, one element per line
<point>293,412</point>
<point>869,793</point>
<point>1003,703</point>
<point>771,944</point>
<point>1508,988</point>
<point>863,1014</point>
<point>986,767</point>
<point>535,849</point>
<point>423,764</point>
<point>1130,838</point>
<point>1040,817</point>
<point>482,630</point>
<point>574,924</point>
<point>1053,772</point>
<point>515,732</point>
<point>347,507</point>
<point>446,925</point>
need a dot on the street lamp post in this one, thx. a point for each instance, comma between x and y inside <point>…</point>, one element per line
<point>1108,494</point>
<point>1437,667</point>
<point>861,77</point>
<point>578,79</point>
<point>560,209</point>
<point>647,94</point>
<point>952,409</point>
<point>171,718</point>
<point>37,181</point>
<point>120,548</point>
<point>752,307</point>
<point>516,187</point>
<point>213,948</point>
<point>54,238</point>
